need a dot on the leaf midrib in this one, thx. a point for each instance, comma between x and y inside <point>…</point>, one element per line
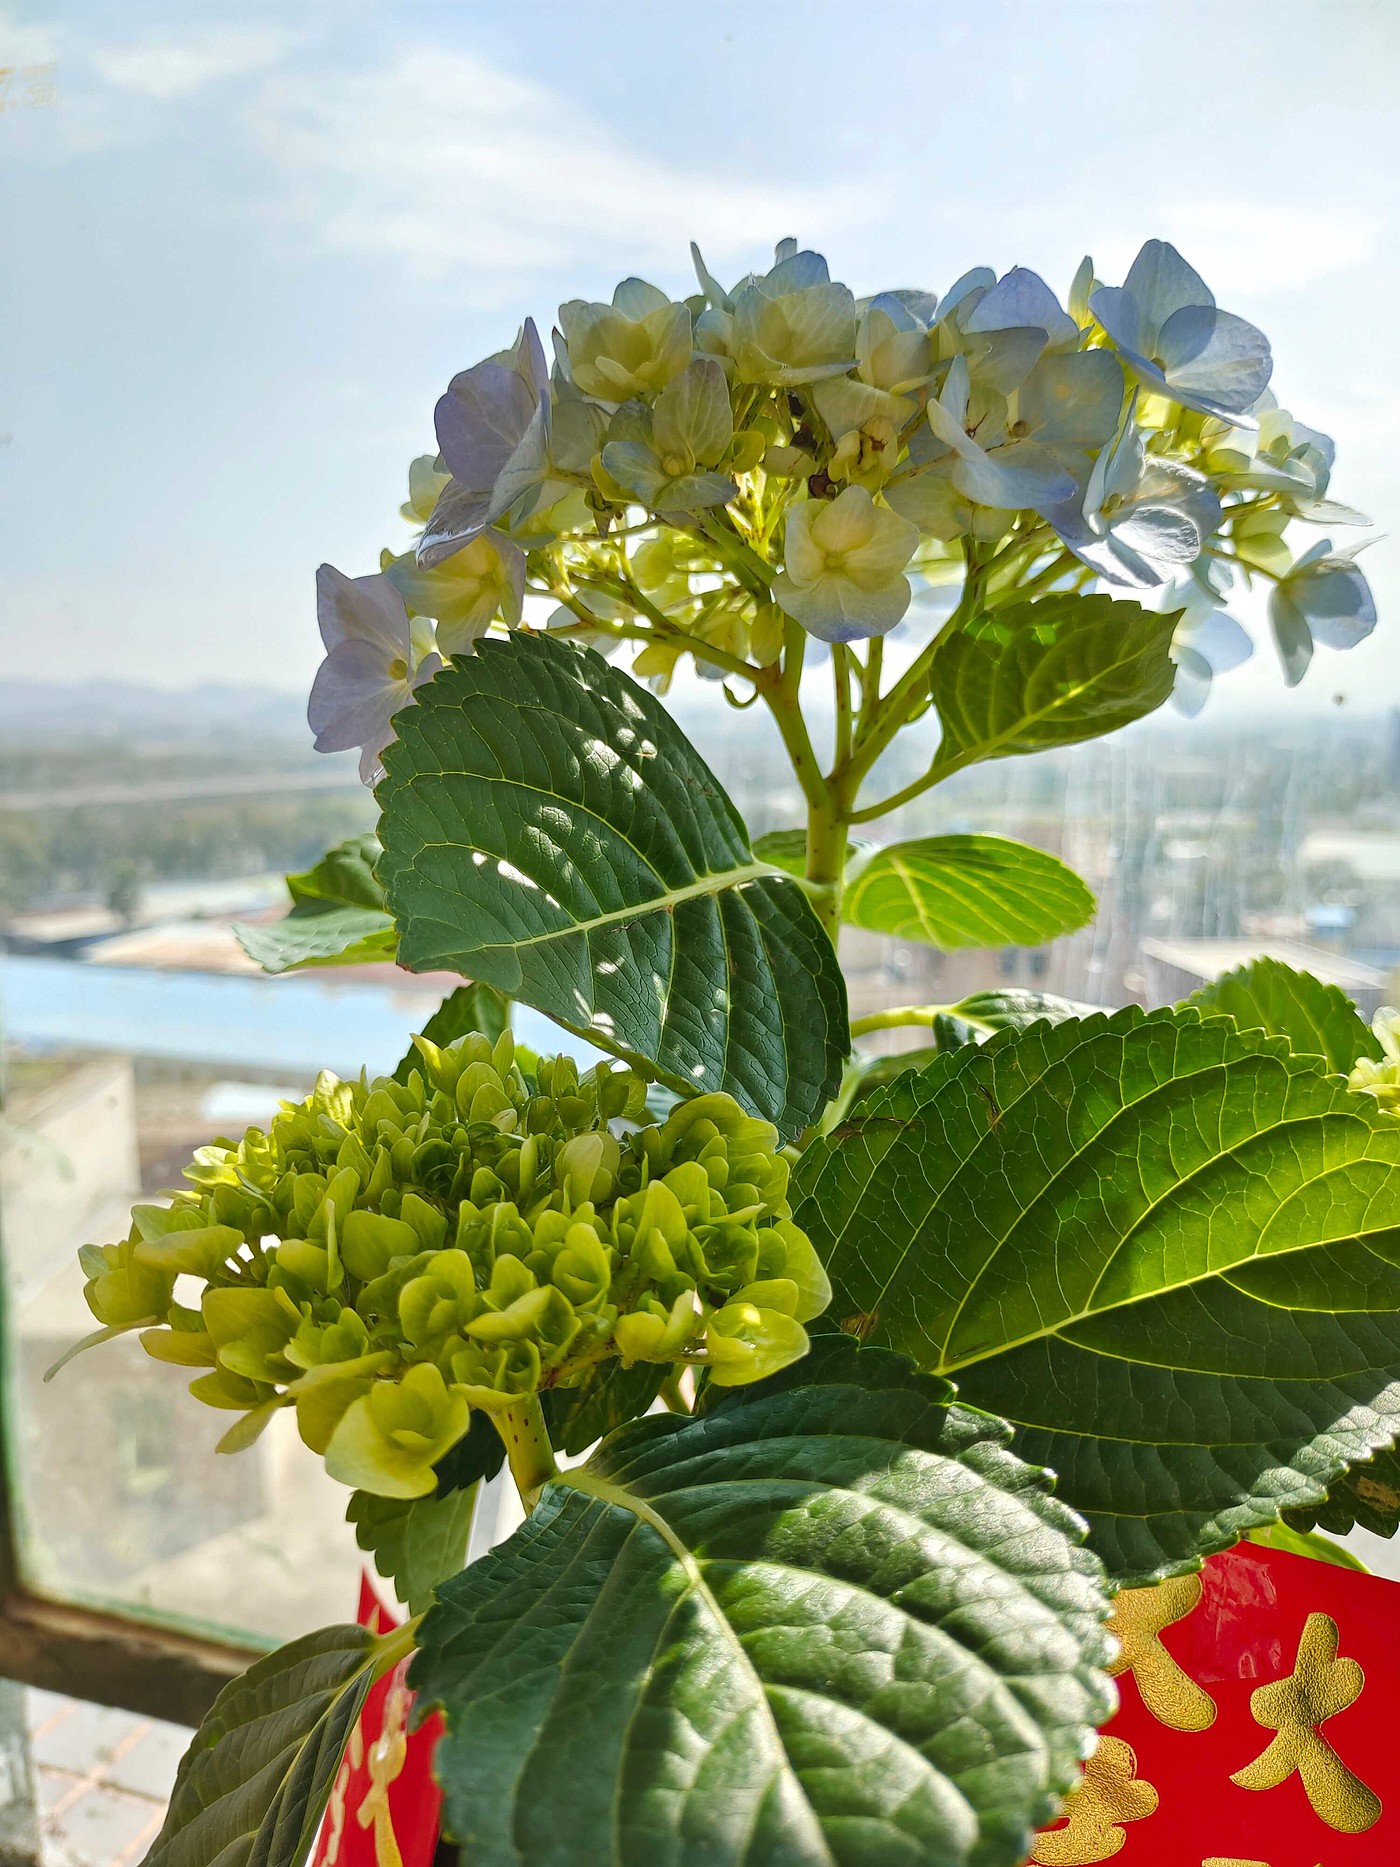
<point>707,884</point>
<point>581,1479</point>
<point>945,1364</point>
<point>1036,716</point>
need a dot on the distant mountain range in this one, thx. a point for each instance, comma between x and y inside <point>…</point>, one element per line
<point>46,710</point>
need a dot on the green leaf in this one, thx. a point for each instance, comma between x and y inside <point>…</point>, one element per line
<point>1307,1543</point>
<point>1366,1497</point>
<point>343,878</point>
<point>956,891</point>
<point>1164,1248</point>
<point>253,1785</point>
<point>336,937</point>
<point>1046,673</point>
<point>608,1396</point>
<point>470,1008</point>
<point>834,1621</point>
<point>479,1453</point>
<point>1318,1020</point>
<point>548,829</point>
<point>787,849</point>
<point>415,1542</point>
<point>337,916</point>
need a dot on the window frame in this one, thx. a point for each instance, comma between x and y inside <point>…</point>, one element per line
<point>104,1657</point>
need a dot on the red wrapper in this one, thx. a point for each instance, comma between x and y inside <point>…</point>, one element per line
<point>1257,1726</point>
<point>385,1806</point>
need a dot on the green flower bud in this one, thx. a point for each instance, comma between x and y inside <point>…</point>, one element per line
<point>120,1289</point>
<point>745,1343</point>
<point>440,1302</point>
<point>1380,1076</point>
<point>388,1255</point>
<point>652,1333</point>
<point>391,1437</point>
<point>492,1375</point>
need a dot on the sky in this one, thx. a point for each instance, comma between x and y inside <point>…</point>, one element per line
<point>245,247</point>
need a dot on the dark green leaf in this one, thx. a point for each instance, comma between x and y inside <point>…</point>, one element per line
<point>254,1782</point>
<point>1166,1249</point>
<point>470,1008</point>
<point>608,1396</point>
<point>479,1453</point>
<point>549,829</point>
<point>1318,1020</point>
<point>1367,1497</point>
<point>956,891</point>
<point>823,1622</point>
<point>1048,672</point>
<point>337,916</point>
<point>415,1542</point>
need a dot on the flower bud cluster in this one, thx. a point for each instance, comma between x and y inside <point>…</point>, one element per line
<point>389,1255</point>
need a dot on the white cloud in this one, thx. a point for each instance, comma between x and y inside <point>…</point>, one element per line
<point>171,66</point>
<point>449,165</point>
<point>1245,248</point>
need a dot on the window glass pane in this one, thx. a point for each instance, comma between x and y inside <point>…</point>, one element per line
<point>246,248</point>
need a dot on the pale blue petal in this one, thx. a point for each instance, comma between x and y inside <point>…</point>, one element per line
<point>1338,605</point>
<point>1214,360</point>
<point>794,273</point>
<point>1221,641</point>
<point>1161,282</point>
<point>1074,400</point>
<point>353,698</point>
<point>980,279</point>
<point>361,609</point>
<point>457,518</point>
<point>1292,636</point>
<point>1020,475</point>
<point>1117,310</point>
<point>480,420</point>
<point>907,309</point>
<point>836,610</point>
<point>1022,300</point>
<point>1193,678</point>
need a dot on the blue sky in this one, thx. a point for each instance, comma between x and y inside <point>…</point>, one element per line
<point>246,246</point>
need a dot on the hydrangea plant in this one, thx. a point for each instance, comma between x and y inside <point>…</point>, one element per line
<point>873,1376</point>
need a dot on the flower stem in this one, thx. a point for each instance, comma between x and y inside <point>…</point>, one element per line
<point>528,1450</point>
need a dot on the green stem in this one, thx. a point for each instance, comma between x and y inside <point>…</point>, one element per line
<point>526,1439</point>
<point>779,685</point>
<point>841,671</point>
<point>901,1015</point>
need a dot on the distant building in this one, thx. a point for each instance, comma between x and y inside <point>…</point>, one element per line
<point>1173,969</point>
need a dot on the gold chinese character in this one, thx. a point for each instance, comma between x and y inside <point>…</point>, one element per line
<point>335,1811</point>
<point>1319,1686</point>
<point>387,1755</point>
<point>1108,1793</point>
<point>1139,1615</point>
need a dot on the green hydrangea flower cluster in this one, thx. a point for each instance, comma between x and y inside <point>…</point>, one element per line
<point>389,1255</point>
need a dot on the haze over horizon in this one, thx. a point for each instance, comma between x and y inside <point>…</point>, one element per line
<point>255,246</point>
